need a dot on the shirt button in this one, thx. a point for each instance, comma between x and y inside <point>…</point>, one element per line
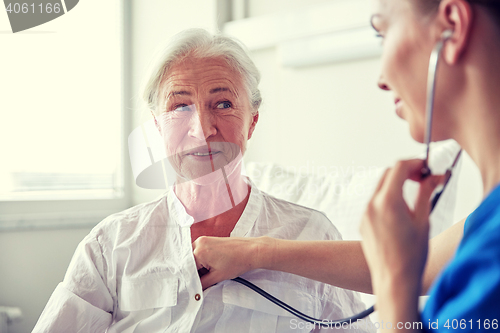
<point>197,297</point>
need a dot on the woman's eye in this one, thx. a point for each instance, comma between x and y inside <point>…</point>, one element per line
<point>224,105</point>
<point>182,107</point>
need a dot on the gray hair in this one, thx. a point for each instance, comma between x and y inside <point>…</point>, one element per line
<point>201,44</point>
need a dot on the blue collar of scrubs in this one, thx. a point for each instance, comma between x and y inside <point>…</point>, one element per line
<point>486,207</point>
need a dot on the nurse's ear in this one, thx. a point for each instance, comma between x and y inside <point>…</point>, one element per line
<point>455,15</point>
<point>255,119</point>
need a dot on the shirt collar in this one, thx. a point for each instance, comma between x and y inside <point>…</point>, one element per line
<point>178,213</point>
<point>250,213</point>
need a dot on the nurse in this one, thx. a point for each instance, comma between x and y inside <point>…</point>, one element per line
<point>395,248</point>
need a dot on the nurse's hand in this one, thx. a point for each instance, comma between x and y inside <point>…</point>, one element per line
<point>395,238</point>
<point>228,257</point>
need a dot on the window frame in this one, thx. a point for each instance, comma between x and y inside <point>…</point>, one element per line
<point>16,215</point>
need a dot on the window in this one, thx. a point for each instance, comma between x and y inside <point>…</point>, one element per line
<point>62,118</point>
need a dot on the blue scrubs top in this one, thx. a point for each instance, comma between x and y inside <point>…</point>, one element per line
<point>466,297</point>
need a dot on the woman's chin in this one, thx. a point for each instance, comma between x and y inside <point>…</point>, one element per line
<point>217,176</point>
<point>209,179</point>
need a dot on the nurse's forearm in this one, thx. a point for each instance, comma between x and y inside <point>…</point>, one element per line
<point>339,263</point>
<point>342,263</point>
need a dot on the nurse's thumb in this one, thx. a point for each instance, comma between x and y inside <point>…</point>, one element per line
<point>423,203</point>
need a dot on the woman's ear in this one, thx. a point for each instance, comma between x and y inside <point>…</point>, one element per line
<point>255,119</point>
<point>156,122</point>
<point>456,15</point>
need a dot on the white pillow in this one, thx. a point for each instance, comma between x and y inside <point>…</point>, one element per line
<point>343,198</point>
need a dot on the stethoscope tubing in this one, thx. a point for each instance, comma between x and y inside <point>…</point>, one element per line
<point>300,315</point>
<point>431,91</point>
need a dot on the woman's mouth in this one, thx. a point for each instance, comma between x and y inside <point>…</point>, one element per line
<point>203,154</point>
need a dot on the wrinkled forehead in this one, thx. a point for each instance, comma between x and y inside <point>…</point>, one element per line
<point>199,77</point>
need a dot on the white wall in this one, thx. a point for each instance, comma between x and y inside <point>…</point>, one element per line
<point>335,116</point>
<point>32,263</point>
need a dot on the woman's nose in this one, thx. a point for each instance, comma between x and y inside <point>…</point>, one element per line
<point>202,125</point>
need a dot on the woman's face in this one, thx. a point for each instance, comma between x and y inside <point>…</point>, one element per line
<point>407,45</point>
<point>205,117</point>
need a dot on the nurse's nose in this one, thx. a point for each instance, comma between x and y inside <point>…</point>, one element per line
<point>382,83</point>
<point>202,125</point>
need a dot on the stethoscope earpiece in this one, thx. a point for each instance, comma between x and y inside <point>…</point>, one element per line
<point>446,34</point>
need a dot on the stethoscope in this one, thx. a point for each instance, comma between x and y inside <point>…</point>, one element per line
<point>431,87</point>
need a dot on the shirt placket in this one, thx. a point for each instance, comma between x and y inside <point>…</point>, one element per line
<point>192,282</point>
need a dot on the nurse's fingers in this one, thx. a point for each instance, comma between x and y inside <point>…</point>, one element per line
<point>382,180</point>
<point>199,266</point>
<point>403,170</point>
<point>427,187</point>
<point>200,249</point>
<point>210,279</point>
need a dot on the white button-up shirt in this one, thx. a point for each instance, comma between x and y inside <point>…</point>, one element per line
<point>135,272</point>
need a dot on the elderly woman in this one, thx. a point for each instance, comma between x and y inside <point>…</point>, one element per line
<point>136,272</point>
